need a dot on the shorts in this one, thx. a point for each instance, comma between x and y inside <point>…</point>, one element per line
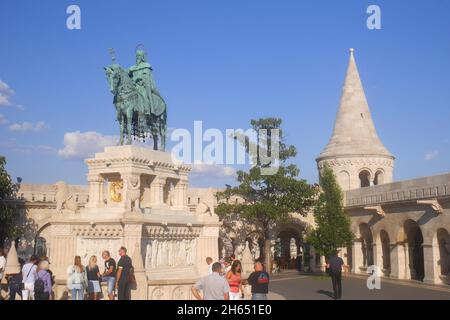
<point>111,281</point>
<point>94,286</point>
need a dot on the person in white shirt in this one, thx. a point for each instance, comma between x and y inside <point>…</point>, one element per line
<point>2,264</point>
<point>29,274</point>
<point>209,261</point>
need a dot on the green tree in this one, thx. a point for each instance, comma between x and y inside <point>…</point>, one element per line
<point>269,195</point>
<point>9,216</point>
<point>332,224</point>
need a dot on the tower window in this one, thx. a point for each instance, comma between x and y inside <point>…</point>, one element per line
<point>364,178</point>
<point>362,115</point>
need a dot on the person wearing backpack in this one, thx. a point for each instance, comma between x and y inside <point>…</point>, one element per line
<point>43,282</point>
<point>77,279</point>
<point>29,273</point>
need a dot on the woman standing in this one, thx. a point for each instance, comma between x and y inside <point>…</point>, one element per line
<point>43,291</point>
<point>77,280</point>
<point>93,276</point>
<point>234,280</point>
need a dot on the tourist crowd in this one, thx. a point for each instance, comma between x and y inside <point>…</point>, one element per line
<point>225,282</point>
<point>35,281</point>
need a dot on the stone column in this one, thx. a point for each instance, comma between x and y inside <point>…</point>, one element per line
<point>63,249</point>
<point>377,250</point>
<point>207,246</point>
<point>357,256</point>
<point>95,191</point>
<point>399,258</point>
<point>180,195</point>
<point>157,192</point>
<point>322,264</point>
<point>431,258</point>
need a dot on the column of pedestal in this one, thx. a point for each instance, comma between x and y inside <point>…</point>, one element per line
<point>132,238</point>
<point>180,195</point>
<point>430,260</point>
<point>62,253</point>
<point>357,256</point>
<point>157,192</point>
<point>95,191</point>
<point>207,246</point>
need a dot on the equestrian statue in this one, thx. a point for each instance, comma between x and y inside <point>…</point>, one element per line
<point>141,111</point>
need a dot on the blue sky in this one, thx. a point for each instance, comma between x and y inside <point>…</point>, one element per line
<point>223,62</point>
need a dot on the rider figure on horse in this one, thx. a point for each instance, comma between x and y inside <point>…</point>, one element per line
<point>141,74</point>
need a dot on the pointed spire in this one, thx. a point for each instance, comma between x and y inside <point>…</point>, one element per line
<point>354,132</point>
<point>12,261</point>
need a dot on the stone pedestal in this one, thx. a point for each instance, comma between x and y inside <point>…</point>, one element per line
<point>137,199</point>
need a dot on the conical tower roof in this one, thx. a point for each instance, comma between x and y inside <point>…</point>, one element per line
<point>354,133</point>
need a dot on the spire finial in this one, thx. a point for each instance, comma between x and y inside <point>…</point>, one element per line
<point>352,51</point>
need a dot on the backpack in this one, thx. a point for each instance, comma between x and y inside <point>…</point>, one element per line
<point>39,286</point>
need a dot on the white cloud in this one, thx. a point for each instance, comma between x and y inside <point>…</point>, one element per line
<point>5,94</point>
<point>81,145</point>
<point>3,120</point>
<point>212,170</point>
<point>27,126</point>
<point>27,148</point>
<point>431,155</point>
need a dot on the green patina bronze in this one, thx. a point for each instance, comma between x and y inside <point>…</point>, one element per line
<point>141,111</point>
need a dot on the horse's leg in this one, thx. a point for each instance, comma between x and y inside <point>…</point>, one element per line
<point>122,124</point>
<point>129,124</point>
<point>162,131</point>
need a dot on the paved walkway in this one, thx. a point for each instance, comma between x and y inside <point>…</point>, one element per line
<point>293,286</point>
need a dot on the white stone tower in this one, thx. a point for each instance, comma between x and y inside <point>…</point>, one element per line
<point>355,152</point>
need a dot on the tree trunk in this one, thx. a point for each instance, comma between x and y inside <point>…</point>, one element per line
<point>267,254</point>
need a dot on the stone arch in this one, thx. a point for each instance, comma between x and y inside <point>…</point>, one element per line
<point>365,176</point>
<point>443,240</point>
<point>285,235</point>
<point>379,177</point>
<point>366,238</point>
<point>414,242</point>
<point>344,180</point>
<point>41,245</point>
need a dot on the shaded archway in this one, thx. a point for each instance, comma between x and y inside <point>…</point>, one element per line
<point>444,252</point>
<point>364,179</point>
<point>414,240</point>
<point>289,238</point>
<point>366,244</point>
<point>385,251</point>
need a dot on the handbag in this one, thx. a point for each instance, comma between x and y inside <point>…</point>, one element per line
<point>22,286</point>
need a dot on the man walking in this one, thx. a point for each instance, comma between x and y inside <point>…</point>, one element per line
<point>123,276</point>
<point>214,286</point>
<point>109,275</point>
<point>259,280</point>
<point>335,266</point>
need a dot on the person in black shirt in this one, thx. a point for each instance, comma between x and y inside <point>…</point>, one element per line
<point>109,275</point>
<point>123,276</point>
<point>334,265</point>
<point>259,280</point>
<point>93,277</point>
